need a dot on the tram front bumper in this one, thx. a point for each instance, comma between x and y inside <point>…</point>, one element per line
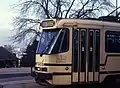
<point>45,76</point>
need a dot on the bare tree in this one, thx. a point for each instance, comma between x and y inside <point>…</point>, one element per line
<point>32,11</point>
<point>10,48</point>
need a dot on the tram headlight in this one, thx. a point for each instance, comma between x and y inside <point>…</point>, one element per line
<point>38,69</point>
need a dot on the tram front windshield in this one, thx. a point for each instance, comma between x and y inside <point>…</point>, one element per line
<point>53,41</point>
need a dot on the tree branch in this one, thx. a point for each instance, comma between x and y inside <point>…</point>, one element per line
<point>82,8</point>
<point>28,4</point>
<point>69,8</point>
<point>57,8</point>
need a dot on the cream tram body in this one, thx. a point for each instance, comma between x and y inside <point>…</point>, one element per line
<point>78,51</point>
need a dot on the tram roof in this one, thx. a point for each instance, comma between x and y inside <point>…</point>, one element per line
<point>59,23</point>
<point>87,22</point>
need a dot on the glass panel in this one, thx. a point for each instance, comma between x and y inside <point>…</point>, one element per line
<point>62,42</point>
<point>112,41</point>
<point>46,40</point>
<point>97,50</point>
<point>90,41</point>
<point>83,50</point>
<point>75,50</point>
<point>53,41</point>
<point>65,41</point>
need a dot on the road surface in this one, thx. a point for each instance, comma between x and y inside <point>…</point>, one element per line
<point>17,78</point>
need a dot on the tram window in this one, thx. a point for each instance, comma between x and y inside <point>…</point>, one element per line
<point>65,41</point>
<point>62,44</point>
<point>112,41</point>
<point>75,50</point>
<point>53,41</point>
<point>83,50</point>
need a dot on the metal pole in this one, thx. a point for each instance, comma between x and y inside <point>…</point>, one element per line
<point>116,7</point>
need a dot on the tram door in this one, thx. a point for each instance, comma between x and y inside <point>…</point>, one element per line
<point>85,55</point>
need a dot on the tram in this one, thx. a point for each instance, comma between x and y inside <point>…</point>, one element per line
<point>78,51</point>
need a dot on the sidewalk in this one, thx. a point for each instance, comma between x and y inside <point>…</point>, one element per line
<point>15,70</point>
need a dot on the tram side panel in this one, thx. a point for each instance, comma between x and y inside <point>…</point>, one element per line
<point>110,55</point>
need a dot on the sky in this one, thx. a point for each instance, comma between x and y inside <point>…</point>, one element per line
<point>7,13</point>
